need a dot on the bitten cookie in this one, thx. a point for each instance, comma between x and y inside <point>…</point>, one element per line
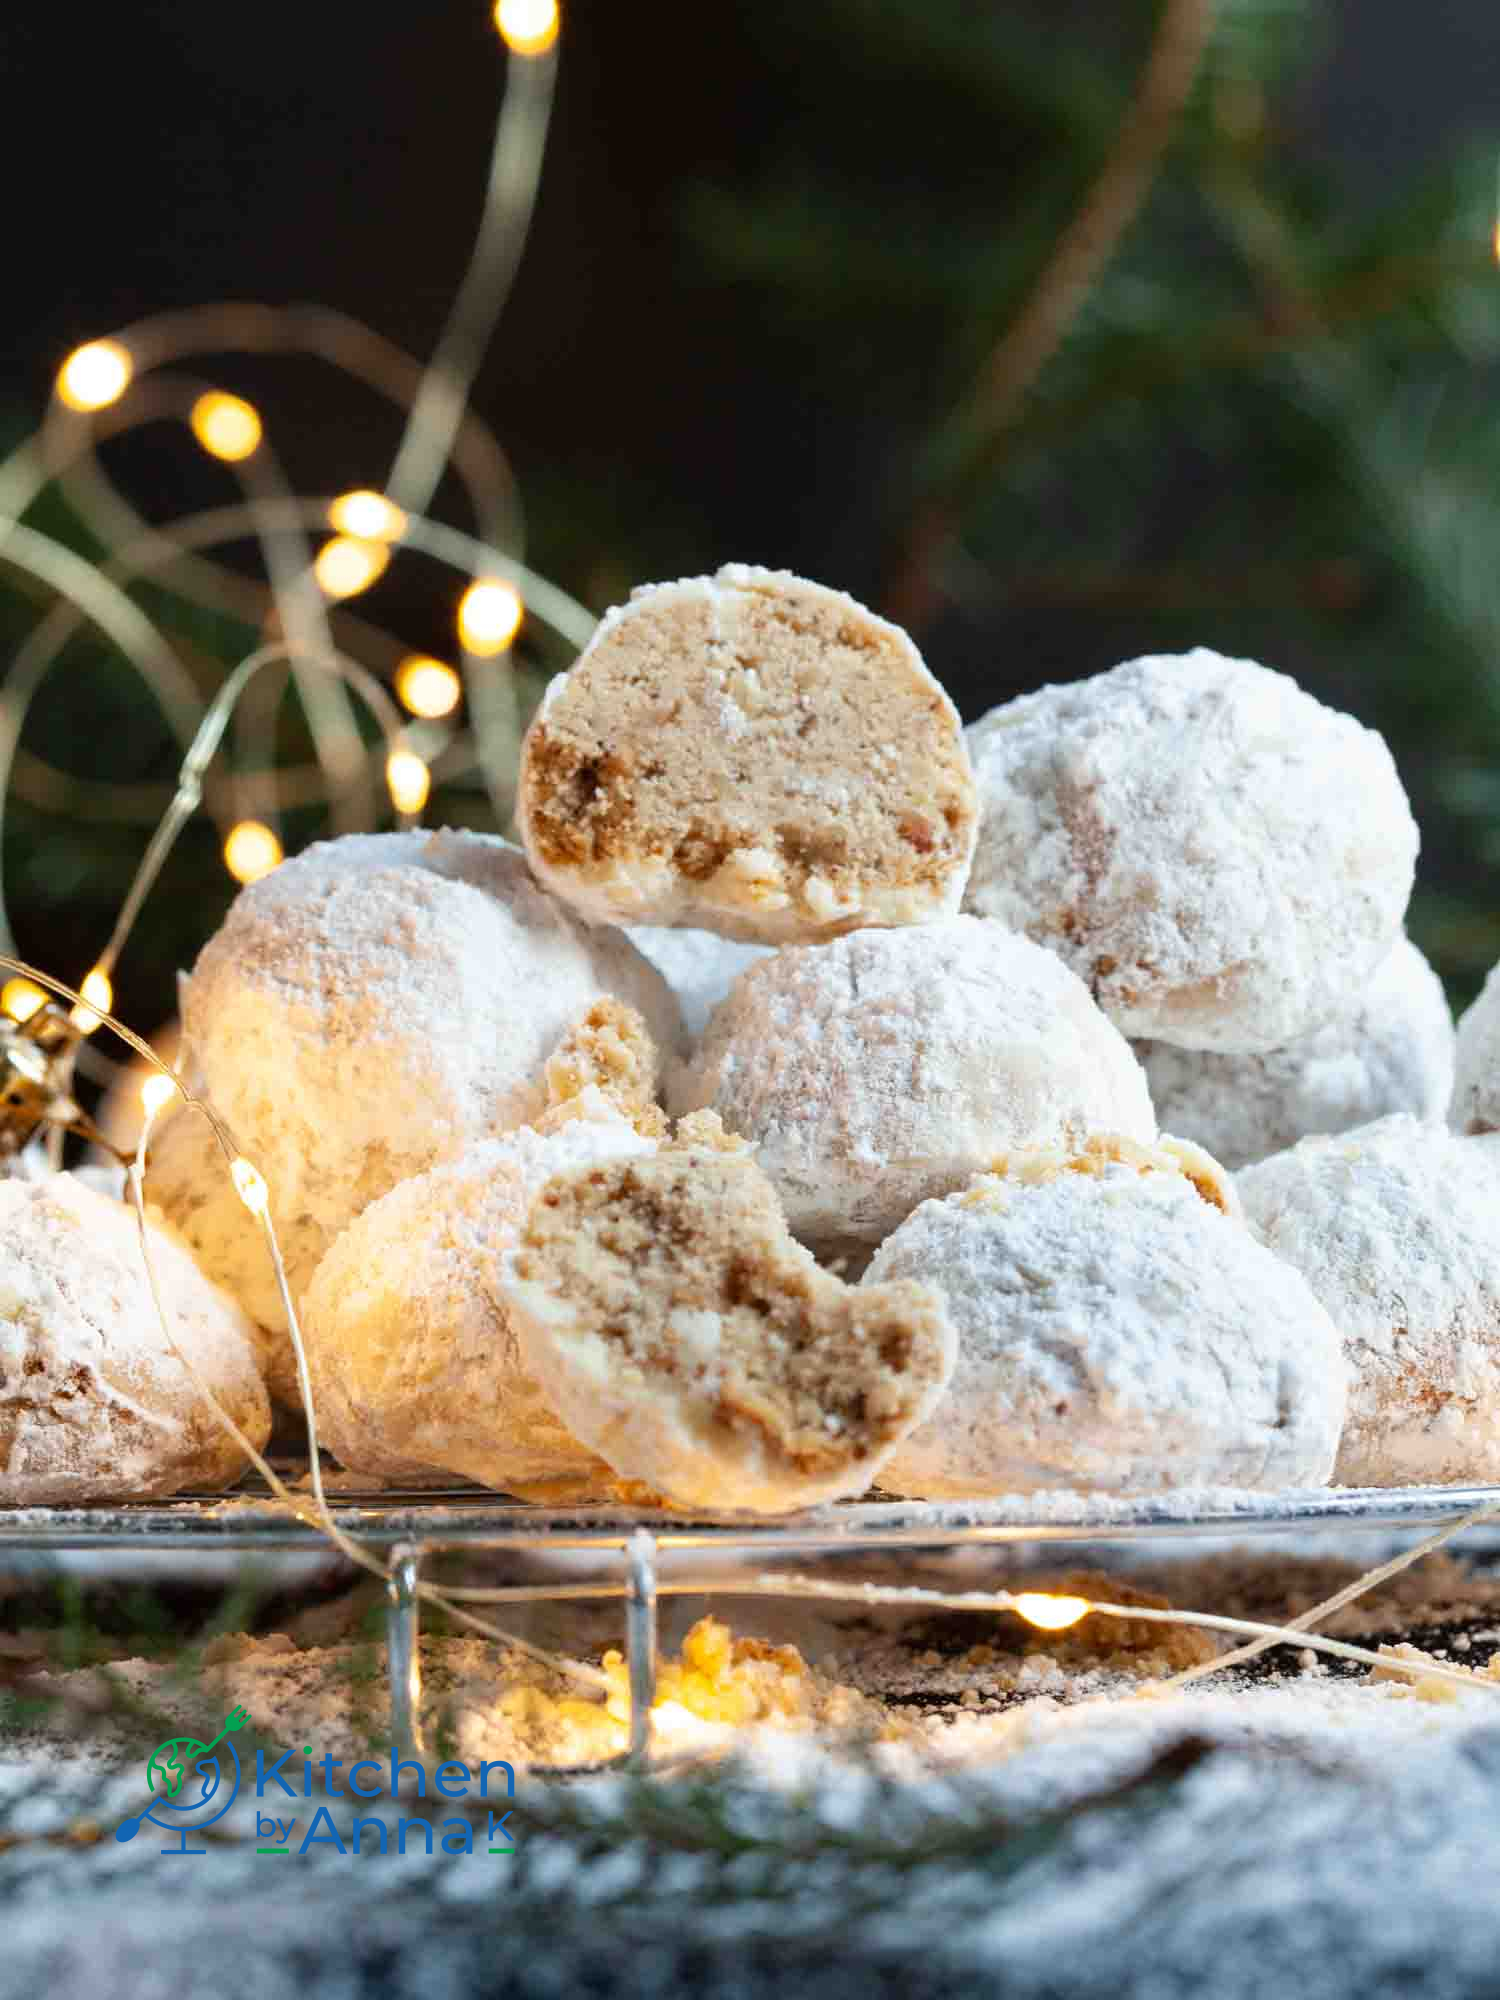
<point>380,1002</point>
<point>1220,857</point>
<point>94,1405</point>
<point>1394,1052</point>
<point>1118,1332</point>
<point>684,1336</point>
<point>1396,1227</point>
<point>887,1067</point>
<point>753,754</point>
<point>414,1361</point>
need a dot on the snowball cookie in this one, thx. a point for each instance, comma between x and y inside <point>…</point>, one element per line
<point>379,1003</point>
<point>1117,1332</point>
<point>682,1333</point>
<point>1222,859</point>
<point>188,1189</point>
<point>699,966</point>
<point>1394,1052</point>
<point>1396,1226</point>
<point>889,1066</point>
<point>94,1405</point>
<point>751,753</point>
<point>414,1362</point>
<point>1476,1086</point>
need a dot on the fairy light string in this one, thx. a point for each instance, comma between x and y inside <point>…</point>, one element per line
<point>116,382</point>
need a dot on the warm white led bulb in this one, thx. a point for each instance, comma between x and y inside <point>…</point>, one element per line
<point>409,781</point>
<point>489,616</point>
<point>94,375</point>
<point>99,994</point>
<point>428,687</point>
<point>367,516</point>
<point>346,565</point>
<point>20,998</point>
<point>1050,1614</point>
<point>251,850</point>
<point>250,1185</point>
<point>157,1093</point>
<point>528,27</point>
<point>226,426</point>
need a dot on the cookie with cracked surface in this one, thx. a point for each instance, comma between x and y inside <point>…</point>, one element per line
<point>1119,1330</point>
<point>753,754</point>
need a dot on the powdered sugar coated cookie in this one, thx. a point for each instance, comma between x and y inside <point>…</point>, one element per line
<point>1220,857</point>
<point>413,1358</point>
<point>1396,1227</point>
<point>1394,1052</point>
<point>382,1001</point>
<point>886,1067</point>
<point>94,1404</point>
<point>1118,1332</point>
<point>1476,1083</point>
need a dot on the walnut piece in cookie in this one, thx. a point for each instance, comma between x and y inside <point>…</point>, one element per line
<point>1118,1331</point>
<point>753,754</point>
<point>1220,857</point>
<point>685,1336</point>
<point>1396,1227</point>
<point>883,1068</point>
<point>94,1403</point>
<point>610,1051</point>
<point>1393,1052</point>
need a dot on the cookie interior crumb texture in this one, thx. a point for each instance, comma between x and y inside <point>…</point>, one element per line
<point>693,1344</point>
<point>753,753</point>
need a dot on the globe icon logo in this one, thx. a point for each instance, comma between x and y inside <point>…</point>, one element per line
<point>192,1784</point>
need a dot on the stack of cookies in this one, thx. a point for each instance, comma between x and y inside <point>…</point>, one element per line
<point>788,1117</point>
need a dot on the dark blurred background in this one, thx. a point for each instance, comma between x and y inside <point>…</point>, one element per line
<point>776,245</point>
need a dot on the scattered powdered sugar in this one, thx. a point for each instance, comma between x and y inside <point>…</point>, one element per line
<point>889,1066</point>
<point>1476,1089</point>
<point>1393,1053</point>
<point>1223,859</point>
<point>379,1002</point>
<point>1116,1331</point>
<point>93,1402</point>
<point>414,1360</point>
<point>1396,1227</point>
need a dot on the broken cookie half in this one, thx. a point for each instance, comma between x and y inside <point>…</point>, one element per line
<point>754,754</point>
<point>688,1339</point>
